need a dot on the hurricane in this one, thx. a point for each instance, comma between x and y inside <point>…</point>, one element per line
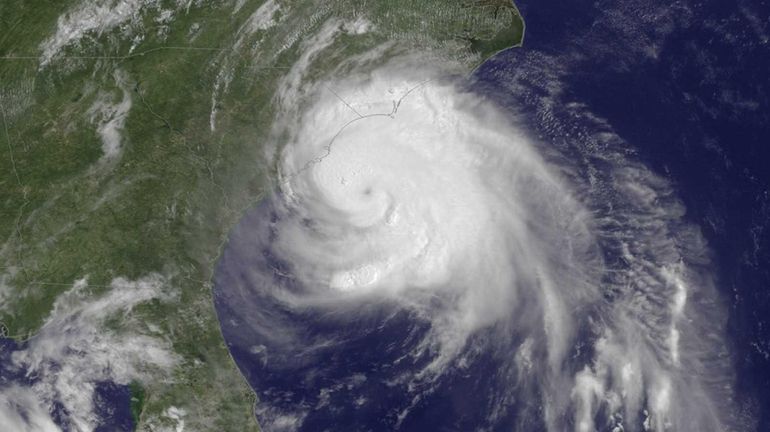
<point>426,259</point>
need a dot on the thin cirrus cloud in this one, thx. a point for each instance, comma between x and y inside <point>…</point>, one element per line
<point>74,352</point>
<point>398,185</point>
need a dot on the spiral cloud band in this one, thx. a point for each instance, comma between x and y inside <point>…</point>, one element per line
<point>418,241</point>
<point>423,191</point>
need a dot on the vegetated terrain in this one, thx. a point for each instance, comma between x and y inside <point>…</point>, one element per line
<point>131,143</point>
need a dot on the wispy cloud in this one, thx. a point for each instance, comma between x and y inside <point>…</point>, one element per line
<point>90,18</point>
<point>74,351</point>
<point>110,117</point>
<point>400,186</point>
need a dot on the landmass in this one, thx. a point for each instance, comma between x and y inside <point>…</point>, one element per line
<point>131,143</point>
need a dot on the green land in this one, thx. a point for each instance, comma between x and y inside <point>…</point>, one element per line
<point>165,204</point>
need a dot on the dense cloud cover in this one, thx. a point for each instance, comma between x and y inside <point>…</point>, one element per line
<point>401,189</point>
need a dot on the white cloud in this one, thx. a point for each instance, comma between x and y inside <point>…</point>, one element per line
<point>21,411</point>
<point>74,351</point>
<point>90,18</point>
<point>177,415</point>
<point>6,290</point>
<point>410,200</point>
<point>398,185</point>
<point>262,18</point>
<point>110,118</point>
<point>94,18</point>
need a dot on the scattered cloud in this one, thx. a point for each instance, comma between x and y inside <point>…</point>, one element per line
<point>75,350</point>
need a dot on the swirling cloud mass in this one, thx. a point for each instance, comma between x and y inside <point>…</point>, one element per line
<point>422,252</point>
<point>423,193</point>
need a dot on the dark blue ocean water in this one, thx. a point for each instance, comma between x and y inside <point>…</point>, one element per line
<point>685,84</point>
<point>346,367</point>
<point>112,402</point>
